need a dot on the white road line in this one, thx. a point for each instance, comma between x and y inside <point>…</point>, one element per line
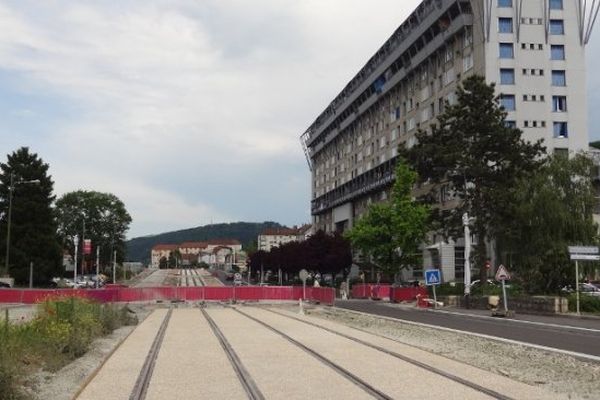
<point>518,320</point>
<point>481,335</point>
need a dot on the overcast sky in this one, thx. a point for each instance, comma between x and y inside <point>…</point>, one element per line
<point>190,111</point>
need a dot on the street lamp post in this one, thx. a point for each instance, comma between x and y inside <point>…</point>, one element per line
<point>76,241</point>
<point>467,268</point>
<point>11,189</point>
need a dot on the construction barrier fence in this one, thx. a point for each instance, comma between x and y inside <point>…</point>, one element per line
<point>322,295</point>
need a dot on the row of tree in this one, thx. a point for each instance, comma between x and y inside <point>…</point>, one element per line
<point>320,253</point>
<point>525,203</point>
<point>42,228</point>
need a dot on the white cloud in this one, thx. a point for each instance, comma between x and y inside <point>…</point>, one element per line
<point>156,100</point>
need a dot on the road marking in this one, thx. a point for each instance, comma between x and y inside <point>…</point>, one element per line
<point>481,335</point>
<point>518,320</point>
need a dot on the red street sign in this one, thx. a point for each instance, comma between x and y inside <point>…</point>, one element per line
<point>502,274</point>
<point>87,246</point>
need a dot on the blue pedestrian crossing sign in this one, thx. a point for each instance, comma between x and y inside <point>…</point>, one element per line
<point>433,277</point>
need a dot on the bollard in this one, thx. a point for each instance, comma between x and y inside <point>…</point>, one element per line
<point>301,304</point>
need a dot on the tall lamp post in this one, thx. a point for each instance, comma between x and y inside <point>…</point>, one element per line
<point>467,280</point>
<point>11,189</point>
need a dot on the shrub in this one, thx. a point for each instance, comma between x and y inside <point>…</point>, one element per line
<point>587,303</point>
<point>63,330</point>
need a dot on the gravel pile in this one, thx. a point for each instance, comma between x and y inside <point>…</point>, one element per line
<point>556,372</point>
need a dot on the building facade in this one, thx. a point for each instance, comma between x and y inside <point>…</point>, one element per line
<point>210,251</point>
<point>275,237</point>
<point>533,50</point>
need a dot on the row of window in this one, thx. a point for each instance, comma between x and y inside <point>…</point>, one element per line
<point>554,4</point>
<point>507,76</point>
<point>505,25</point>
<point>507,50</point>
<point>560,129</point>
<point>508,101</point>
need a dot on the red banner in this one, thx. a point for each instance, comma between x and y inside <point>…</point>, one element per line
<point>87,246</point>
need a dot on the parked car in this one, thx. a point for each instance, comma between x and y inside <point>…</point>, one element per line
<point>589,289</point>
<point>4,285</point>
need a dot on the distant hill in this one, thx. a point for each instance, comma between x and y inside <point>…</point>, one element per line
<point>138,249</point>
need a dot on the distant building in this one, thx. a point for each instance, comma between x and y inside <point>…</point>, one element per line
<point>159,251</point>
<point>214,251</point>
<point>275,237</point>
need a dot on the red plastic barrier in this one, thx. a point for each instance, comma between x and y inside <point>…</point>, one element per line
<point>407,293</point>
<point>168,293</point>
<point>371,290</point>
<point>323,295</point>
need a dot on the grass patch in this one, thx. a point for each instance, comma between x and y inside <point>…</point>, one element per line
<point>62,330</point>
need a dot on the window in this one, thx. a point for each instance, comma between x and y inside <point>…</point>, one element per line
<point>504,3</point>
<point>559,78</point>
<point>507,50</point>
<point>505,25</point>
<point>556,4</point>
<point>468,62</point>
<point>557,27</point>
<point>507,76</point>
<point>557,52</point>
<point>560,130</point>
<point>559,103</point>
<point>508,102</point>
<point>510,124</point>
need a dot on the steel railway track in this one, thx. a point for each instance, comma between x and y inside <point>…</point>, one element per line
<point>492,393</point>
<point>141,385</point>
<point>242,373</point>
<point>371,390</point>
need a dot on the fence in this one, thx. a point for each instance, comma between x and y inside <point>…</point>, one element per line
<point>172,293</point>
<point>371,290</point>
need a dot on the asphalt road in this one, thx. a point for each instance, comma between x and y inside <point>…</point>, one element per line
<point>574,335</point>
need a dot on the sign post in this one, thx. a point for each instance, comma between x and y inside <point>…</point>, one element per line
<point>303,276</point>
<point>433,278</point>
<point>237,280</point>
<point>503,276</point>
<point>584,253</point>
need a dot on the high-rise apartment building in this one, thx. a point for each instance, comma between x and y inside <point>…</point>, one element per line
<point>534,50</point>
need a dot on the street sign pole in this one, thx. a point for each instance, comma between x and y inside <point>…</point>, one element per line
<point>434,297</point>
<point>504,295</point>
<point>577,284</point>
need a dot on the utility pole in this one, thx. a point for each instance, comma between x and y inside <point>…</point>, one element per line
<point>467,278</point>
<point>114,267</point>
<point>97,267</point>
<point>10,196</point>
<point>76,241</point>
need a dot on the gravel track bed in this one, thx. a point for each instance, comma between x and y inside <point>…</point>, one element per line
<point>280,369</point>
<point>191,362</point>
<point>558,373</point>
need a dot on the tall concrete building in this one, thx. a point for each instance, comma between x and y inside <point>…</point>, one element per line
<point>534,50</point>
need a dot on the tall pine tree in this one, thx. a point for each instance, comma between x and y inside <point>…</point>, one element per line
<point>33,229</point>
<point>474,154</point>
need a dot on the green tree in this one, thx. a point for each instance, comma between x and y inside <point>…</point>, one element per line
<point>553,210</point>
<point>105,218</point>
<point>474,154</point>
<point>387,228</point>
<point>174,259</point>
<point>33,228</point>
<point>163,263</point>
